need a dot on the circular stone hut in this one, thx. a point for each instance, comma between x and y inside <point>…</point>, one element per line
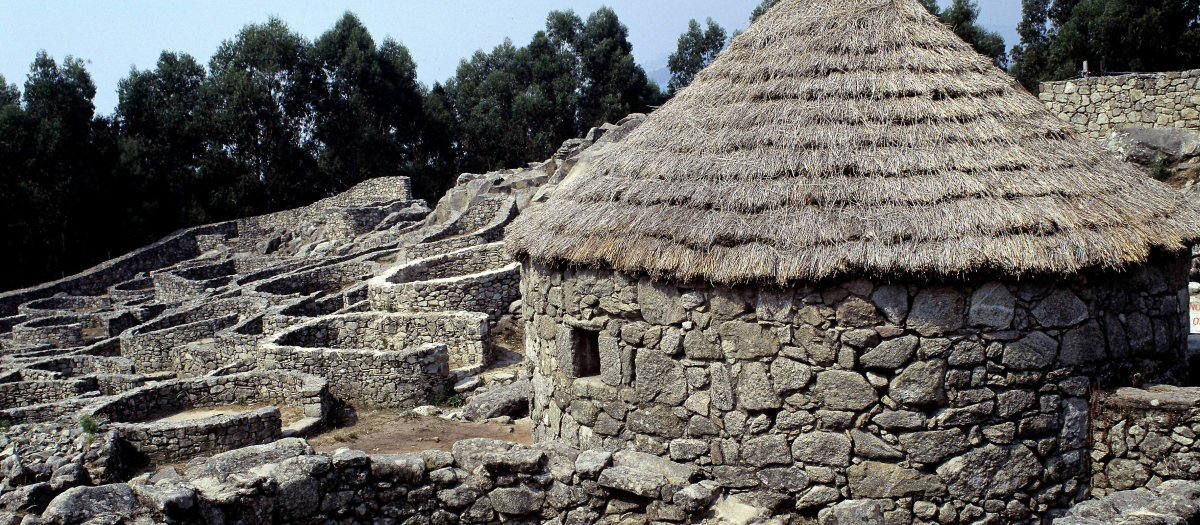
<point>854,259</point>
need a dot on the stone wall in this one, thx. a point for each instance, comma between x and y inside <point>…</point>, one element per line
<point>1099,105</point>
<point>328,279</point>
<point>170,250</point>
<point>59,331</point>
<point>968,398</point>
<point>465,334</point>
<point>180,440</point>
<point>405,379</point>
<point>13,395</point>
<point>482,223</point>
<point>365,193</point>
<point>155,349</point>
<point>476,279</point>
<point>1142,438</point>
<point>179,285</point>
<point>481,481</point>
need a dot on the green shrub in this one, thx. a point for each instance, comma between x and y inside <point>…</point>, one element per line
<point>1158,169</point>
<point>89,425</point>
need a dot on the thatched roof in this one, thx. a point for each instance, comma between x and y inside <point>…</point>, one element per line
<point>853,137</point>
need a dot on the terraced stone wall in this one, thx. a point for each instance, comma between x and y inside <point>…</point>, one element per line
<point>1099,105</point>
<point>969,398</point>
<point>179,246</point>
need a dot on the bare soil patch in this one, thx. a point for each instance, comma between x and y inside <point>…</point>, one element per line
<point>290,414</point>
<point>393,432</point>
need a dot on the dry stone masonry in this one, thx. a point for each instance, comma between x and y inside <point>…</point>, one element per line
<point>1097,106</point>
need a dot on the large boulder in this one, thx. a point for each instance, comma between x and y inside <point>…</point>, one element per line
<point>81,504</point>
<point>1145,145</point>
<point>511,400</point>
<point>222,465</point>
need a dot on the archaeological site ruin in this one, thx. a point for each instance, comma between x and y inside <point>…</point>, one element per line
<point>853,273</point>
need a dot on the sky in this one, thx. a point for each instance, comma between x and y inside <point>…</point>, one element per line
<point>113,36</point>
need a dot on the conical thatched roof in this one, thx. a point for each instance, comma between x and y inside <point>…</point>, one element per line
<point>853,137</point>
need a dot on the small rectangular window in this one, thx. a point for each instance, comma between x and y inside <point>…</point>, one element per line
<point>586,362</point>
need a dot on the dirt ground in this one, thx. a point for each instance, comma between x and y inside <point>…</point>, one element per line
<point>393,432</point>
<point>290,414</point>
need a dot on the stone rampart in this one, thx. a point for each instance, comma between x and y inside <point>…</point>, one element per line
<point>1097,106</point>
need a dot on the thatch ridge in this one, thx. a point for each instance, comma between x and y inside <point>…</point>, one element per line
<point>849,138</point>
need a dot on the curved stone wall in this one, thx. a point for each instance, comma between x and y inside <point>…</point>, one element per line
<point>465,334</point>
<point>403,378</point>
<point>970,397</point>
<point>178,285</point>
<point>60,331</point>
<point>181,440</point>
<point>60,304</point>
<point>476,279</point>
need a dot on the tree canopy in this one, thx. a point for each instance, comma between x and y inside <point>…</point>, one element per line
<point>1057,36</point>
<point>274,121</point>
<point>697,49</point>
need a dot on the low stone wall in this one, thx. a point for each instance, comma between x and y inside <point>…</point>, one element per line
<point>483,223</point>
<point>79,365</point>
<point>446,283</point>
<point>155,349</point>
<point>328,279</point>
<point>465,334</point>
<point>180,440</point>
<point>210,242</point>
<point>1097,106</point>
<point>60,331</point>
<point>24,393</point>
<point>1141,438</point>
<point>362,194</point>
<point>57,305</point>
<point>406,378</point>
<point>481,481</point>
<point>179,285</point>
<point>132,289</point>
<point>183,440</point>
<point>178,246</point>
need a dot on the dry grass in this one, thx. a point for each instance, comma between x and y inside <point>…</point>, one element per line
<point>853,137</point>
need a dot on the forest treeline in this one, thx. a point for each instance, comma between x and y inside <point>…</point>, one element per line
<point>275,120</point>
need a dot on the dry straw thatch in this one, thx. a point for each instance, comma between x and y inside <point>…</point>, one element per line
<point>853,137</point>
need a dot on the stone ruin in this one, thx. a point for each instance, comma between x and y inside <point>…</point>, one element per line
<point>367,298</point>
<point>983,399</point>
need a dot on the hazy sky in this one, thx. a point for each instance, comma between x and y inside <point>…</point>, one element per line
<point>115,35</point>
